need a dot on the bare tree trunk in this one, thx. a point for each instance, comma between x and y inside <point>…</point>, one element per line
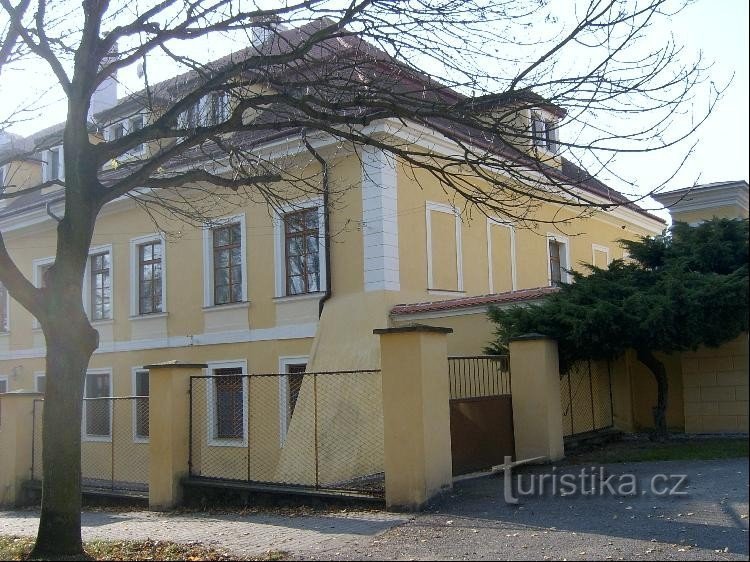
<point>71,340</point>
<point>662,384</point>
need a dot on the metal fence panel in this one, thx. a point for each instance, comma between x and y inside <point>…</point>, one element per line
<point>114,443</point>
<point>317,430</point>
<point>479,376</point>
<point>586,397</point>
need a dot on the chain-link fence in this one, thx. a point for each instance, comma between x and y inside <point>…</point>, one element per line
<point>479,376</point>
<point>312,430</point>
<point>114,443</point>
<point>586,397</point>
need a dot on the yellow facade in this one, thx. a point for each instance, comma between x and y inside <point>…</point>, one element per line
<point>438,249</point>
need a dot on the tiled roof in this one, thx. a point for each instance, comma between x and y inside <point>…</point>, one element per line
<point>511,297</point>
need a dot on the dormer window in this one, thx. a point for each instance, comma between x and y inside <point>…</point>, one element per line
<point>53,167</point>
<point>544,133</point>
<point>210,110</point>
<point>218,108</point>
<point>132,125</point>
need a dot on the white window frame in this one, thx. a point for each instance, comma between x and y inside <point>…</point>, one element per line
<point>599,248</point>
<point>87,284</point>
<point>6,331</point>
<point>490,264</point>
<point>98,438</point>
<point>430,207</point>
<point>36,267</point>
<point>45,163</point>
<point>550,122</point>
<point>135,276</point>
<point>284,362</point>
<point>565,276</point>
<point>280,241</point>
<point>133,381</point>
<point>138,149</point>
<point>6,380</point>
<point>211,400</point>
<point>208,261</point>
<point>127,128</point>
<point>39,375</point>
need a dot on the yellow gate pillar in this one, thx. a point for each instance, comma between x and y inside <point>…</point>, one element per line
<point>169,430</point>
<point>416,415</point>
<point>537,411</point>
<point>16,435</point>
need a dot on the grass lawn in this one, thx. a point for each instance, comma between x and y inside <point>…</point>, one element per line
<point>18,548</point>
<point>676,449</point>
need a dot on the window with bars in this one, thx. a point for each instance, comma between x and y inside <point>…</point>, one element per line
<point>229,403</point>
<point>227,266</point>
<point>3,308</point>
<point>218,108</point>
<point>141,384</point>
<point>150,277</point>
<point>302,251</point>
<point>97,413</point>
<point>101,286</point>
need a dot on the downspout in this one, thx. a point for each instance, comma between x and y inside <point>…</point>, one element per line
<point>326,227</point>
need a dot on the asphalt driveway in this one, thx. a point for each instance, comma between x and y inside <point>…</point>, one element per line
<point>708,522</point>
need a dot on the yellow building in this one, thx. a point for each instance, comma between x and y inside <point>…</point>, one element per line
<point>285,290</point>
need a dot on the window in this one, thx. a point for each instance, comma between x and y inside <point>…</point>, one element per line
<point>227,264</point>
<point>118,131</point>
<point>290,386</point>
<point>4,302</point>
<point>3,385</point>
<point>136,124</point>
<point>101,286</point>
<point>40,383</point>
<point>302,250</point>
<point>53,165</point>
<point>150,277</point>
<point>294,379</point>
<point>44,270</point>
<point>229,403</point>
<point>218,108</point>
<point>97,412</point>
<point>557,253</point>
<point>444,248</point>
<point>140,404</point>
<point>544,133</point>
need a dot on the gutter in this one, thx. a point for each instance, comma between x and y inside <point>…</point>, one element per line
<point>326,226</point>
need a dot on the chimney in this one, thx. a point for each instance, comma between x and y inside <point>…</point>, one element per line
<point>105,95</point>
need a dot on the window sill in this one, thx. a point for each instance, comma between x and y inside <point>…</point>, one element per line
<point>96,439</point>
<point>445,292</point>
<point>148,316</point>
<point>228,306</point>
<point>227,442</point>
<point>300,297</point>
<point>103,322</point>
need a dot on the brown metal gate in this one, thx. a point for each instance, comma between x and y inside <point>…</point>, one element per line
<point>481,412</point>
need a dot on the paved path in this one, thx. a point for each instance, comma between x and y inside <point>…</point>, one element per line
<point>318,536</point>
<point>474,522</point>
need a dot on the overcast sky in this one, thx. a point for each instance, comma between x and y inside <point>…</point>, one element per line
<point>718,28</point>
